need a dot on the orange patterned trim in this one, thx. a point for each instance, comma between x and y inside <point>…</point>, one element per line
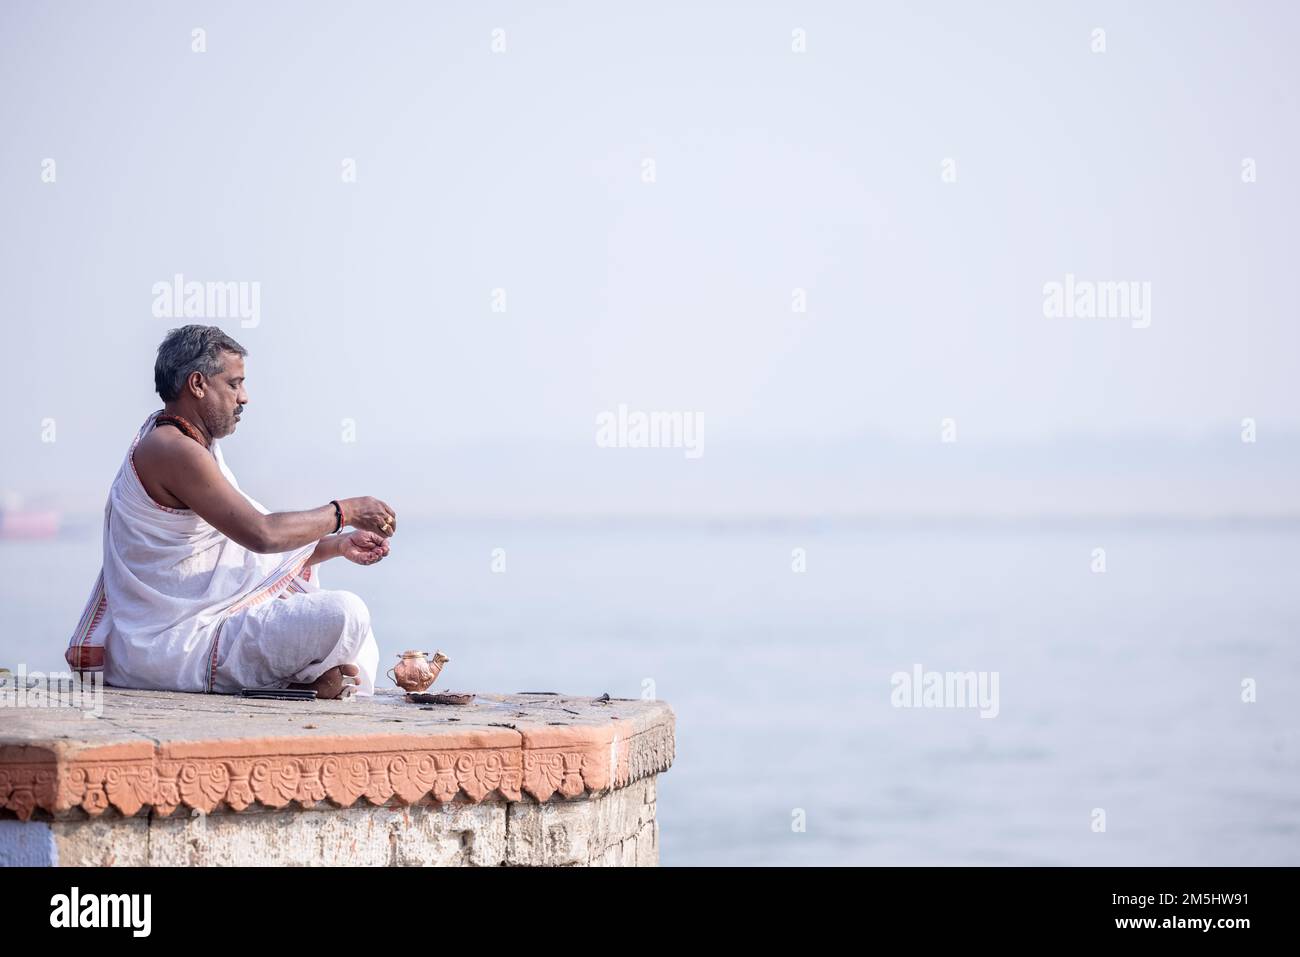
<point>161,778</point>
<point>212,656</point>
<point>85,658</point>
<point>79,655</point>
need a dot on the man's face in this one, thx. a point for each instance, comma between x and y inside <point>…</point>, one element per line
<point>224,398</point>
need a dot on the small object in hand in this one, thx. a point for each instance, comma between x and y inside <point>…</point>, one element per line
<point>281,694</point>
<point>444,698</point>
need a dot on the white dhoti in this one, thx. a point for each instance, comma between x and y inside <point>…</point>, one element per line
<point>295,640</point>
<point>178,606</point>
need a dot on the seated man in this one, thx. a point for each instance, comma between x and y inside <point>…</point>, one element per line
<point>202,589</point>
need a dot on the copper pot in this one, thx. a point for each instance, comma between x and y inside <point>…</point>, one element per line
<point>417,670</point>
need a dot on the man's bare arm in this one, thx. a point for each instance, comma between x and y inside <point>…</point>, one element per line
<point>188,472</point>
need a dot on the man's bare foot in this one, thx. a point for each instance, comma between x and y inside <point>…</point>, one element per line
<point>332,684</point>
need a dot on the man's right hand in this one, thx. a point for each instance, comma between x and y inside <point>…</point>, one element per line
<point>369,514</point>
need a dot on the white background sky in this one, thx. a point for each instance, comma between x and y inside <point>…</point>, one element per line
<point>775,170</point>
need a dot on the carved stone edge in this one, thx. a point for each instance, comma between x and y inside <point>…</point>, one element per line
<point>59,783</point>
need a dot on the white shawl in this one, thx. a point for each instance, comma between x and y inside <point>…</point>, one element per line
<point>168,581</point>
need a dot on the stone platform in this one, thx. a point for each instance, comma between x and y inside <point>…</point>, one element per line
<point>162,778</point>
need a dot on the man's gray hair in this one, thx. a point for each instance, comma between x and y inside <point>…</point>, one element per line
<point>189,349</point>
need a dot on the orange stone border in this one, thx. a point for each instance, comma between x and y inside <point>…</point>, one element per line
<point>275,772</point>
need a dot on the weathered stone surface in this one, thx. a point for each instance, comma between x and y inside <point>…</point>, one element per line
<point>101,842</point>
<point>161,778</point>
<point>420,836</point>
<point>585,831</point>
<point>616,828</point>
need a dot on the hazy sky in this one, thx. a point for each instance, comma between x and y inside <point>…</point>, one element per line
<point>525,171</point>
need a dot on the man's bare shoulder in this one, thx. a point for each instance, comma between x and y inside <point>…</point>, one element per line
<point>166,447</point>
<point>166,461</point>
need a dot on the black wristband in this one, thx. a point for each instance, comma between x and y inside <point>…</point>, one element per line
<point>338,515</point>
